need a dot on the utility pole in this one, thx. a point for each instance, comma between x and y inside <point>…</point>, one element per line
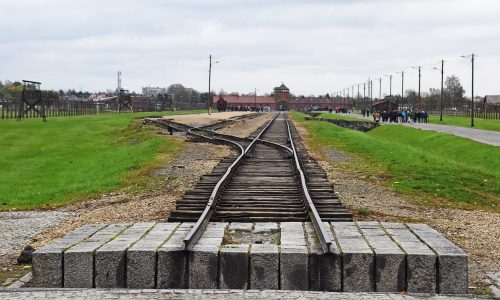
<point>441,103</point>
<point>371,91</point>
<point>419,97</point>
<point>209,102</point>
<point>472,98</point>
<point>441,106</point>
<point>358,95</point>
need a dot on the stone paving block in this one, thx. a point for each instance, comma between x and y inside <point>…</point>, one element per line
<point>294,268</point>
<point>325,269</point>
<point>314,258</point>
<point>79,259</point>
<point>292,234</point>
<point>240,226</point>
<point>264,267</point>
<point>110,259</point>
<point>358,260</point>
<point>294,257</point>
<point>265,227</point>
<point>390,260</point>
<point>420,260</point>
<point>331,265</point>
<point>452,261</point>
<point>203,267</point>
<point>141,257</point>
<point>172,260</point>
<point>233,273</point>
<point>48,260</point>
<point>204,258</point>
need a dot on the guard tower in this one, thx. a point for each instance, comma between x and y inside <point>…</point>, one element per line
<point>32,97</point>
<point>282,96</point>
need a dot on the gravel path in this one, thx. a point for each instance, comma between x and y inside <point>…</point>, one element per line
<point>483,136</point>
<point>17,229</point>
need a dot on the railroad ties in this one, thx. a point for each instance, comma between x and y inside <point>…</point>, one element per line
<point>265,186</point>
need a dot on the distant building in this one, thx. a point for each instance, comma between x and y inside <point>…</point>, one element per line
<point>385,105</point>
<point>492,99</point>
<point>491,103</point>
<point>153,91</point>
<point>281,99</point>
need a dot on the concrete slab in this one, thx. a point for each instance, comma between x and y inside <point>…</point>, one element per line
<point>420,260</point>
<point>141,257</point>
<point>358,260</point>
<point>110,259</point>
<point>48,260</point>
<point>264,267</point>
<point>452,261</point>
<point>390,260</point>
<point>172,260</point>
<point>233,272</point>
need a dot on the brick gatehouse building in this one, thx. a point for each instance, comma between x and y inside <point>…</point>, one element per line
<point>281,99</point>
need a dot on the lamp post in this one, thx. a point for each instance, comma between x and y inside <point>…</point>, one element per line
<point>419,77</point>
<point>402,87</point>
<point>364,94</point>
<point>210,101</point>
<point>441,103</point>
<point>352,96</point>
<point>390,90</point>
<point>380,89</point>
<point>358,96</point>
<point>472,98</point>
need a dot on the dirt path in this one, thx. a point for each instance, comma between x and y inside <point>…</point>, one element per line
<point>477,232</point>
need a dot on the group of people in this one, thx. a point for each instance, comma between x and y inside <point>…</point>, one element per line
<point>245,108</point>
<point>404,116</point>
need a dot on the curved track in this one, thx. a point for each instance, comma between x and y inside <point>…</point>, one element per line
<point>268,181</point>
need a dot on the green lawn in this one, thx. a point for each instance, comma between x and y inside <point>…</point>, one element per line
<point>436,167</point>
<point>485,124</point>
<point>72,158</point>
<point>347,117</point>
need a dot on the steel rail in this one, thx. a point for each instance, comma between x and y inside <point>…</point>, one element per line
<point>194,235</point>
<point>175,125</point>
<point>318,225</point>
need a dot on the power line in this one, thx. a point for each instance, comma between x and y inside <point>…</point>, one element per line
<point>319,69</point>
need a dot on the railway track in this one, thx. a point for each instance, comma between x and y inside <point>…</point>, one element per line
<point>272,179</point>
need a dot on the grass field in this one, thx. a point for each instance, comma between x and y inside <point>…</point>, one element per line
<point>435,168</point>
<point>340,117</point>
<point>485,124</point>
<point>72,158</point>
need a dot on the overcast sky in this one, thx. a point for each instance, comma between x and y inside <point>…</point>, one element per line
<point>314,47</point>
